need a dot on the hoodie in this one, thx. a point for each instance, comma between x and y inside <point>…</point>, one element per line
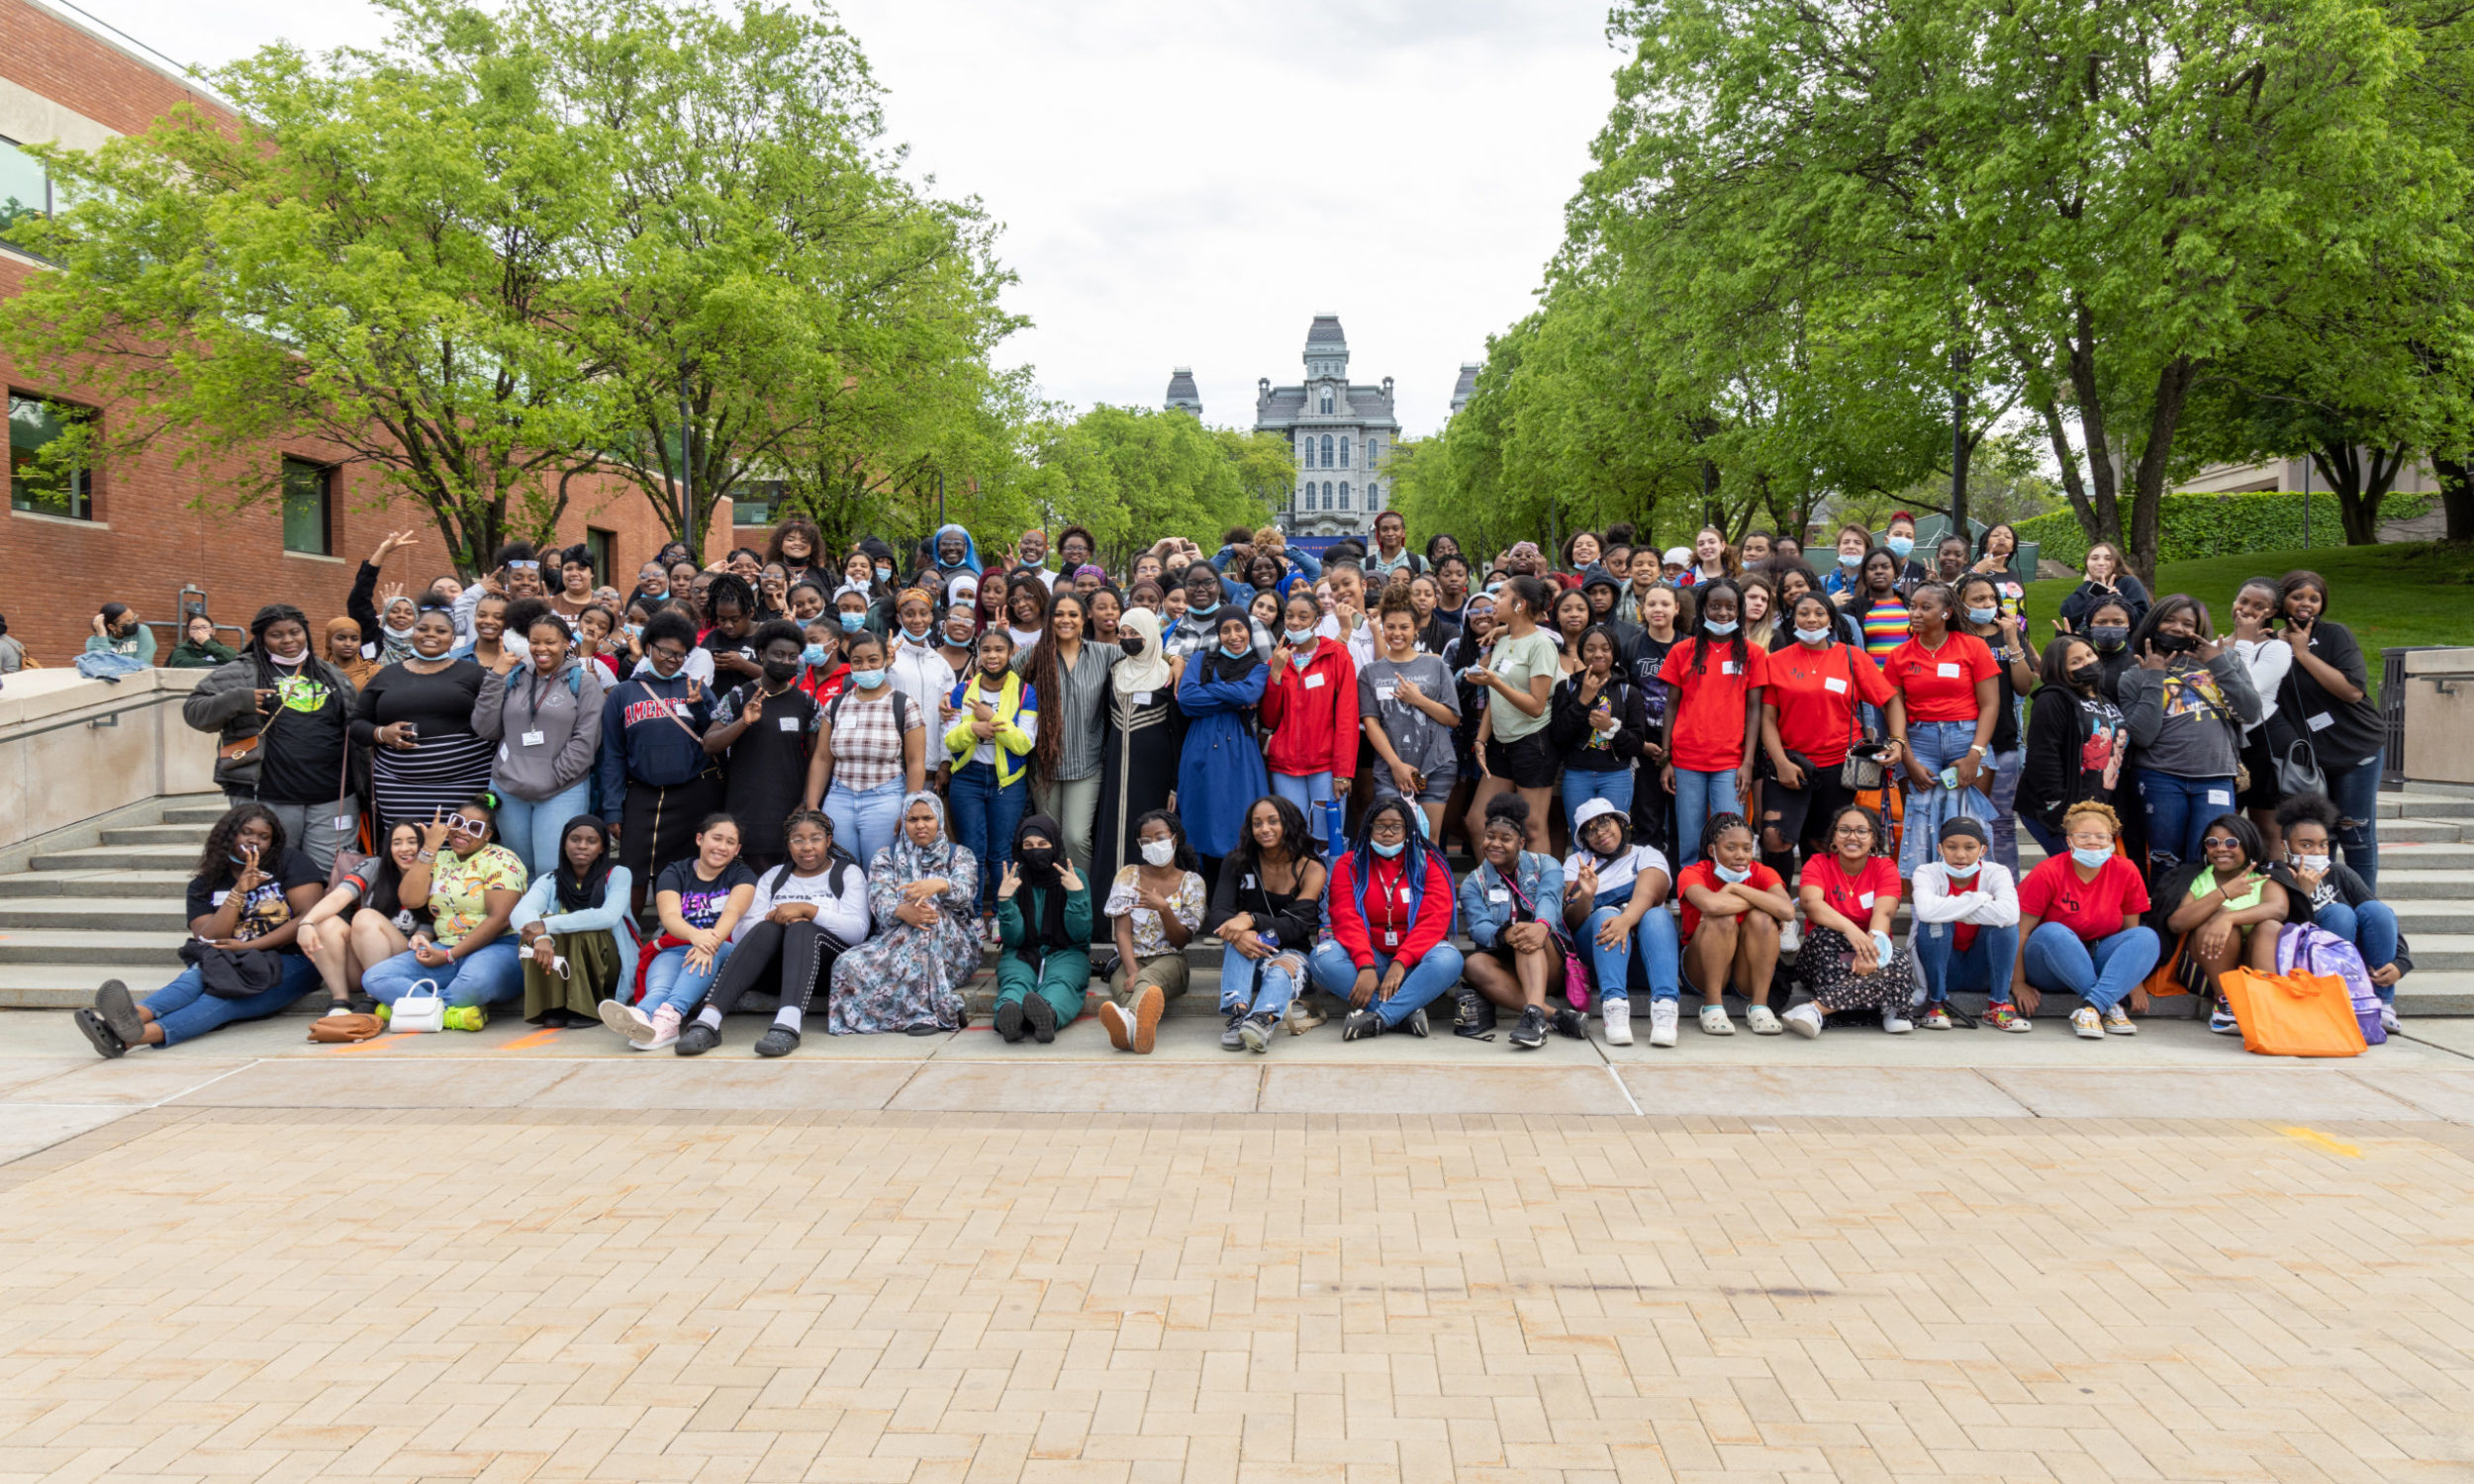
<point>561,712</point>
<point>651,734</point>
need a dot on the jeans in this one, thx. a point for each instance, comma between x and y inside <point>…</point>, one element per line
<point>2355,791</point>
<point>1431,979</point>
<point>1661,955</point>
<point>1614,786</point>
<point>531,829</point>
<point>1259,987</point>
<point>864,823</point>
<point>2052,842</point>
<point>1305,791</point>
<point>2004,826</point>
<point>185,1010</point>
<point>2178,810</point>
<point>2372,930</point>
<point>984,817</point>
<point>489,975</point>
<point>1698,795</point>
<point>1983,965</point>
<point>312,830</point>
<point>1936,745</point>
<point>2102,972</point>
<point>669,981</point>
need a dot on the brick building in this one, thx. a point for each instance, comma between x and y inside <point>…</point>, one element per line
<point>138,531</point>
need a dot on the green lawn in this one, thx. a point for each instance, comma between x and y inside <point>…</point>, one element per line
<point>2405,594</point>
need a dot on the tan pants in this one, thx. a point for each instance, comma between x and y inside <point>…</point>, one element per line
<point>1170,971</point>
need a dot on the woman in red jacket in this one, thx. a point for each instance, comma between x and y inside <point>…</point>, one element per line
<point>1310,711</point>
<point>1390,906</point>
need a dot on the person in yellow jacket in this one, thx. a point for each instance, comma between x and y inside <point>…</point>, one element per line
<point>994,720</point>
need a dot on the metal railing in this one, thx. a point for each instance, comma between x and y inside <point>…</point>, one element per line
<point>2393,707</point>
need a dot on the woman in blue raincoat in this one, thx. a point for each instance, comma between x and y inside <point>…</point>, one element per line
<point>1220,771</point>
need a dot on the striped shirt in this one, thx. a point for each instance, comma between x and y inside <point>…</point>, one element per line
<point>1885,628</point>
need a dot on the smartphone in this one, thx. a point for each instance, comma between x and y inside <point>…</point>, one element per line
<point>1950,777</point>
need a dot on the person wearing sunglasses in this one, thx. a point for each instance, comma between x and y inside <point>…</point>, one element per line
<point>472,886</point>
<point>2214,904</point>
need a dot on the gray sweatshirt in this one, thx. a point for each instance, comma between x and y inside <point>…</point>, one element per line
<point>2177,727</point>
<point>548,728</point>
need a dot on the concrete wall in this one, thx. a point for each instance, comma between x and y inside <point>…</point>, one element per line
<point>72,748</point>
<point>2440,726</point>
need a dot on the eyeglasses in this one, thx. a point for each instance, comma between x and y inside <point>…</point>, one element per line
<point>467,825</point>
<point>2221,842</point>
<point>1854,832</point>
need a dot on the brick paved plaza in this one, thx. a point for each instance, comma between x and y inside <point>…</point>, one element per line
<point>464,1258</point>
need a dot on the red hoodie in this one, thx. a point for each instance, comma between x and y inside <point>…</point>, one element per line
<point>1312,714</point>
<point>1387,919</point>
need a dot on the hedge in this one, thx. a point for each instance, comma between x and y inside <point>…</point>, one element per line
<point>2190,527</point>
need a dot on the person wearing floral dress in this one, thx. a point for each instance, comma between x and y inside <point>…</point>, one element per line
<point>923,893</point>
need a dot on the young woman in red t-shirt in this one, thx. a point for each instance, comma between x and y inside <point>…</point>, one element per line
<point>2079,928</point>
<point>1713,716</point>
<point>1733,907</point>
<point>1942,718</point>
<point>1848,961</point>
<point>1809,719</point>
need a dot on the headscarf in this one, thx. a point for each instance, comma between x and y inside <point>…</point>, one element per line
<point>1148,670</point>
<point>583,894</point>
<point>914,861</point>
<point>359,668</point>
<point>1220,666</point>
<point>393,645</point>
<point>1048,934</point>
<point>970,549</point>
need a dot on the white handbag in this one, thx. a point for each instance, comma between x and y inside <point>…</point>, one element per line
<point>419,1009</point>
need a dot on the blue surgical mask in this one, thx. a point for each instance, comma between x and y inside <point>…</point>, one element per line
<point>853,622</point>
<point>1812,635</point>
<point>867,680</point>
<point>885,574</point>
<point>1900,546</point>
<point>1390,850</point>
<point>814,654</point>
<point>2091,859</point>
<point>1239,653</point>
<point>1982,616</point>
<point>916,635</point>
<point>1195,613</point>
<point>1850,558</point>
<point>1725,875</point>
<point>1718,629</point>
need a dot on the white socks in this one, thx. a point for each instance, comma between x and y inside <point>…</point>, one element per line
<point>709,1016</point>
<point>790,1018</point>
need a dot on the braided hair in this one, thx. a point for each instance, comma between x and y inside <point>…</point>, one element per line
<point>730,586</point>
<point>1718,825</point>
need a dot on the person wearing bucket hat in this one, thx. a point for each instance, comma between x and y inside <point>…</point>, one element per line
<point>1966,932</point>
<point>1615,903</point>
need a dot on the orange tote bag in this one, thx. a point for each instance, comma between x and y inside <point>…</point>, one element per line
<point>2293,1014</point>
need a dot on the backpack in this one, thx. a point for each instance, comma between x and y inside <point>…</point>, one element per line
<point>902,709</point>
<point>837,873</point>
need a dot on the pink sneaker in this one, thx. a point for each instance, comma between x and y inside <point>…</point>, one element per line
<point>665,1028</point>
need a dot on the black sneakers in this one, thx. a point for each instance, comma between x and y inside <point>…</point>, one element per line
<point>1042,1016</point>
<point>1011,1024</point>
<point>1231,1036</point>
<point>1416,1024</point>
<point>1530,1034</point>
<point>1570,1021</point>
<point>1362,1025</point>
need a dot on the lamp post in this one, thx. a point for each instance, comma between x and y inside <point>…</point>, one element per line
<point>687,477</point>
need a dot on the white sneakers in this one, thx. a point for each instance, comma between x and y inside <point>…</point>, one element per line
<point>1804,1020</point>
<point>1663,1013</point>
<point>2388,1016</point>
<point>1714,1021</point>
<point>1618,1013</point>
<point>1764,1020</point>
<point>1894,1021</point>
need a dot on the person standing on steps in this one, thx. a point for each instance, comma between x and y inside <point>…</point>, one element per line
<point>2328,694</point>
<point>1069,674</point>
<point>871,754</point>
<point>2185,705</point>
<point>656,778</point>
<point>765,733</point>
<point>283,717</point>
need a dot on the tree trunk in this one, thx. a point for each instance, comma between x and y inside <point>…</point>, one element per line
<point>2456,496</point>
<point>2148,477</point>
<point>2359,484</point>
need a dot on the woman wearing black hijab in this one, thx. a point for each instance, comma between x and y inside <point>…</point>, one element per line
<point>1043,918</point>
<point>574,930</point>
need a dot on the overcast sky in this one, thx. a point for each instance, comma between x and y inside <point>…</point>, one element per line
<point>1189,185</point>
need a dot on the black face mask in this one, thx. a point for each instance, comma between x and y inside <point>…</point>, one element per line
<point>2086,676</point>
<point>781,672</point>
<point>2170,643</point>
<point>2109,635</point>
<point>1037,860</point>
<point>1132,644</point>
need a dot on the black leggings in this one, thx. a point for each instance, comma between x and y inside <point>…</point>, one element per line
<point>805,952</point>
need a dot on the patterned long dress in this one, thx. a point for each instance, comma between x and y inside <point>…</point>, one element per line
<point>906,976</point>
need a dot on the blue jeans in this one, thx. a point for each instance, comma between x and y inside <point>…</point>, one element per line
<point>1936,745</point>
<point>185,1010</point>
<point>1305,791</point>
<point>1983,965</point>
<point>489,975</point>
<point>1698,795</point>
<point>669,981</point>
<point>531,830</point>
<point>2102,972</point>
<point>1662,955</point>
<point>2004,826</point>
<point>2178,810</point>
<point>864,823</point>
<point>1259,987</point>
<point>2372,930</point>
<point>2355,791</point>
<point>1614,786</point>
<point>2053,844</point>
<point>1433,977</point>
<point>984,817</point>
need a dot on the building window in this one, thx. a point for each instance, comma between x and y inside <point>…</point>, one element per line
<point>1327,463</point>
<point>753,502</point>
<point>1374,451</point>
<point>33,423</point>
<point>308,503</point>
<point>1305,452</point>
<point>1343,493</point>
<point>1327,505</point>
<point>1327,403</point>
<point>25,186</point>
<point>603,546</point>
<point>1344,453</point>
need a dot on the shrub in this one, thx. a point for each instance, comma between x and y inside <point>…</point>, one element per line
<point>2190,527</point>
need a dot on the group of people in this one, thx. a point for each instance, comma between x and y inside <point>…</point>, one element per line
<point>793,775</point>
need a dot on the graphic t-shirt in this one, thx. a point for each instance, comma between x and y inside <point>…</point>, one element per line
<point>1422,742</point>
<point>1704,875</point>
<point>266,908</point>
<point>459,887</point>
<point>2054,893</point>
<point>302,754</point>
<point>1707,734</point>
<point>700,901</point>
<point>1852,896</point>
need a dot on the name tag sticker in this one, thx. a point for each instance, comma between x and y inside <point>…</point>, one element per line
<point>1314,683</point>
<point>1247,883</point>
<point>221,898</point>
<point>790,723</point>
<point>1834,685</point>
<point>2321,721</point>
<point>1864,900</point>
<point>343,824</point>
<point>1391,939</point>
<point>1729,667</point>
<point>1499,895</point>
<point>1142,697</point>
<point>1946,670</point>
<point>2221,797</point>
<point>1385,692</point>
<point>1404,894</point>
<point>532,739</point>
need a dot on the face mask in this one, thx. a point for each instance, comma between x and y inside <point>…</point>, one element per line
<point>1387,851</point>
<point>1982,616</point>
<point>1961,873</point>
<point>867,680</point>
<point>916,635</point>
<point>1812,635</point>
<point>1850,558</point>
<point>853,622</point>
<point>885,574</point>
<point>1159,852</point>
<point>781,671</point>
<point>2312,863</point>
<point>404,633</point>
<point>633,631</point>
<point>2109,635</point>
<point>1299,636</point>
<point>814,654</point>
<point>1037,858</point>
<point>1239,653</point>
<point>2086,676</point>
<point>1132,644</point>
<point>2172,643</point>
<point>1725,875</point>
<point>1718,629</point>
<point>2091,859</point>
<point>294,658</point>
<point>238,858</point>
<point>1900,546</point>
<point>1201,613</point>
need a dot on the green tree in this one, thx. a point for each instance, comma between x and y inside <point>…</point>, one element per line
<point>1132,475</point>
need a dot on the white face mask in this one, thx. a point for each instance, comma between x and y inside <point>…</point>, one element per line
<point>1159,852</point>
<point>2313,863</point>
<point>288,660</point>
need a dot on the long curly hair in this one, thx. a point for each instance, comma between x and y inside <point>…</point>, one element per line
<point>215,861</point>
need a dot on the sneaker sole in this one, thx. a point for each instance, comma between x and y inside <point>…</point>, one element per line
<point>1149,1005</point>
<point>1256,1039</point>
<point>98,1034</point>
<point>1042,1018</point>
<point>1011,1024</point>
<point>1803,1028</point>
<point>1113,1020</point>
<point>119,1012</point>
<point>2121,1030</point>
<point>628,1022</point>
